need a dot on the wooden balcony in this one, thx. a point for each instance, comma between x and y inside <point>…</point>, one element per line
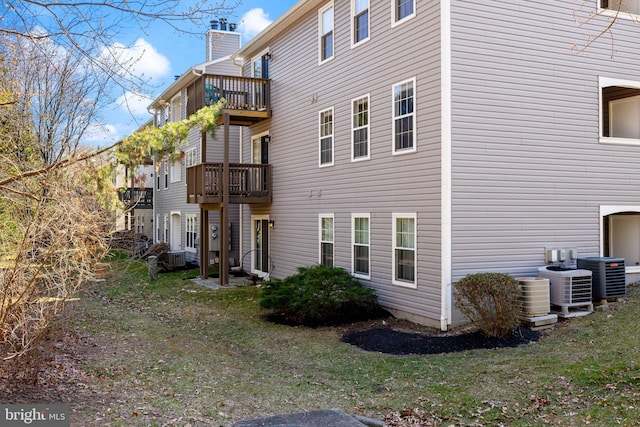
<point>137,198</point>
<point>248,99</point>
<point>248,183</point>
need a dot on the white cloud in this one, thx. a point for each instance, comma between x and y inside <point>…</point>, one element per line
<point>253,22</point>
<point>140,59</point>
<point>135,104</point>
<point>100,135</point>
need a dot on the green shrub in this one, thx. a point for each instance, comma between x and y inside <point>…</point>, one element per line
<point>319,295</point>
<point>490,301</point>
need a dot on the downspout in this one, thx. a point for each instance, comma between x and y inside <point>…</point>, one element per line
<point>445,164</point>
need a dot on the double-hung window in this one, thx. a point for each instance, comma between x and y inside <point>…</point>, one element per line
<point>404,250</point>
<point>360,21</point>
<point>404,116</point>
<point>403,10</point>
<point>326,240</point>
<point>191,227</point>
<point>325,16</point>
<point>361,253</point>
<point>326,137</point>
<point>360,128</point>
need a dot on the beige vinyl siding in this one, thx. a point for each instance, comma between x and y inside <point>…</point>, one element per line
<point>383,185</point>
<point>528,169</point>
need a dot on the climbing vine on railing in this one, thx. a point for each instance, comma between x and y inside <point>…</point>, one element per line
<point>164,142</point>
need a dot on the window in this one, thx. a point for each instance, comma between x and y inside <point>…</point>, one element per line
<point>404,116</point>
<point>158,229</point>
<point>326,137</point>
<point>191,232</point>
<point>404,250</point>
<point>619,111</point>
<point>176,170</point>
<point>326,240</point>
<point>360,130</point>
<point>165,169</point>
<point>192,157</point>
<point>621,6</point>
<point>165,236</point>
<point>360,20</point>
<point>403,9</point>
<point>326,32</point>
<point>360,238</point>
<point>139,224</point>
<point>176,109</point>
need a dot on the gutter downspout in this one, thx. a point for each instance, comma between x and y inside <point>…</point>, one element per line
<point>445,164</point>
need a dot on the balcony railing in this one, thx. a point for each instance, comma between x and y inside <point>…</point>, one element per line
<point>248,99</point>
<point>248,183</point>
<point>137,198</point>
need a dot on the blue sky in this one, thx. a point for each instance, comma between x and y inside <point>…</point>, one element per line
<point>163,54</point>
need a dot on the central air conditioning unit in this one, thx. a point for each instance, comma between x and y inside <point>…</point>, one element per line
<point>176,259</point>
<point>569,288</point>
<point>608,274</point>
<point>534,296</point>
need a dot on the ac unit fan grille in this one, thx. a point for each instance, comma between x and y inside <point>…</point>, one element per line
<point>577,289</point>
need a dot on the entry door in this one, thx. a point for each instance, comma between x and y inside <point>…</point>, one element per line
<point>260,70</point>
<point>260,156</point>
<point>260,264</point>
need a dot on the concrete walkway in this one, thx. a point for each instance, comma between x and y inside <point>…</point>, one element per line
<point>214,282</point>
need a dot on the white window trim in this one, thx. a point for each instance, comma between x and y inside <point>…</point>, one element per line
<point>606,82</point>
<point>320,241</point>
<point>615,14</point>
<point>175,170</point>
<point>158,236</point>
<point>368,126</point>
<point>353,244</point>
<point>165,236</point>
<point>393,119</point>
<point>254,251</point>
<point>403,283</point>
<point>190,220</point>
<point>395,23</point>
<point>176,116</point>
<point>165,173</point>
<point>355,44</point>
<point>606,210</point>
<point>257,58</point>
<point>333,138</point>
<point>320,34</point>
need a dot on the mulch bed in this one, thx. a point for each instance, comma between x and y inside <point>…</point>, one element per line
<point>390,341</point>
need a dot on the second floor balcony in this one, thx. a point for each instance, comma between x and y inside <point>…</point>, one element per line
<point>248,183</point>
<point>137,198</point>
<point>248,99</point>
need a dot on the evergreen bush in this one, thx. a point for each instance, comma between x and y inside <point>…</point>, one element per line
<point>319,295</point>
<point>490,301</point>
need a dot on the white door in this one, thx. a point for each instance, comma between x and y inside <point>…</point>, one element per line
<point>176,232</point>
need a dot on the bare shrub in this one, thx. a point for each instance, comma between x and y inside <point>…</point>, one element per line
<point>490,301</point>
<point>54,232</point>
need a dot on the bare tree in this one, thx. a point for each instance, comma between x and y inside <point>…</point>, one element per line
<point>90,28</point>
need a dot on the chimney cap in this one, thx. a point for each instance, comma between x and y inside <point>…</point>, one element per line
<point>214,24</point>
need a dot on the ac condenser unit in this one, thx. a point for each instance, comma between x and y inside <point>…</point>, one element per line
<point>176,259</point>
<point>568,287</point>
<point>608,276</point>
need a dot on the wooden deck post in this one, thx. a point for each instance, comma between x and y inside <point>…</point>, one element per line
<point>224,209</point>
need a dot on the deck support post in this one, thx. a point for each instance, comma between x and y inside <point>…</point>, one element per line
<point>224,208</point>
